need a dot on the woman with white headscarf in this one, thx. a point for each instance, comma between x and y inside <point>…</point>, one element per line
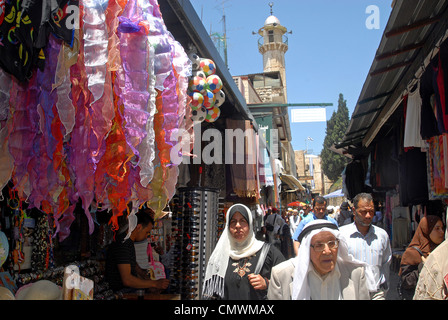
<point>230,269</point>
<point>324,270</point>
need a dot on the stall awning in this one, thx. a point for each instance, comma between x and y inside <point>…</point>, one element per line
<point>414,30</point>
<point>335,194</point>
<point>292,182</point>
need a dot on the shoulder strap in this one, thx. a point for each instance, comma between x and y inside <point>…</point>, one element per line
<point>263,254</point>
<point>419,251</point>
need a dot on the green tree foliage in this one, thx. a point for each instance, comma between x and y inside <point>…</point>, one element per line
<point>332,163</point>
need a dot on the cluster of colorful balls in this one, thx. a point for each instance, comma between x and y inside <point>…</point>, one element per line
<point>205,90</point>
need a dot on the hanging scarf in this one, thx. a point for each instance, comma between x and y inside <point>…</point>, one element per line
<point>228,247</point>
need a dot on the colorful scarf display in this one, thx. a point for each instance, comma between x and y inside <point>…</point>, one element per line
<point>94,123</point>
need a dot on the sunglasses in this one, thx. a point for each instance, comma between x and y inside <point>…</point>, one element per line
<point>194,193</point>
<point>191,241</point>
<point>186,259</point>
<point>189,290</point>
<point>186,218</point>
<point>190,296</point>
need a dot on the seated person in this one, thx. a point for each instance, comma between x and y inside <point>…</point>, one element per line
<point>122,270</point>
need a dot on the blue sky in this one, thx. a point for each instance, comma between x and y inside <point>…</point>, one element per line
<point>330,49</point>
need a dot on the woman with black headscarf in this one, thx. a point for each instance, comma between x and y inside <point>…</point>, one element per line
<point>231,272</point>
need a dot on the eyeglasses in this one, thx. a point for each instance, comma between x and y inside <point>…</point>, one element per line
<point>319,247</point>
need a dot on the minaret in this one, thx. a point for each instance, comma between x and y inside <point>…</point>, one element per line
<point>273,46</point>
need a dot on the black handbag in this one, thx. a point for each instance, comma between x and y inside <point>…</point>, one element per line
<point>403,292</point>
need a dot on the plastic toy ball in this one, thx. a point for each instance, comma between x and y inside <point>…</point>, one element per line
<point>213,114</point>
<point>197,99</point>
<point>208,66</point>
<point>214,83</point>
<point>199,73</point>
<point>209,99</point>
<point>199,114</point>
<point>197,84</point>
<point>220,97</point>
<point>195,60</point>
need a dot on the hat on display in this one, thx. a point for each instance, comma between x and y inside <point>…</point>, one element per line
<point>40,290</point>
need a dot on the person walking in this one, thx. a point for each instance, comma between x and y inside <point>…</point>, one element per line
<point>231,272</point>
<point>369,243</point>
<point>323,269</point>
<point>319,212</point>
<point>429,234</point>
<point>294,221</point>
<point>345,214</point>
<point>274,224</point>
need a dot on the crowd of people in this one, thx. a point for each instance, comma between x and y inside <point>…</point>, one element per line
<point>323,253</point>
<point>314,252</point>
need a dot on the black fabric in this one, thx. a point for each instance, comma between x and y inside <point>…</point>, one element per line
<point>408,280</point>
<point>355,178</point>
<point>24,38</point>
<point>345,217</point>
<point>119,252</point>
<point>444,66</point>
<point>17,55</point>
<point>238,287</point>
<point>429,126</point>
<point>385,163</point>
<point>413,177</point>
<point>287,246</point>
<point>61,20</point>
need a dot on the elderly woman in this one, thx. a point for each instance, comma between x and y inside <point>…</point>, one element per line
<point>231,270</point>
<point>322,270</point>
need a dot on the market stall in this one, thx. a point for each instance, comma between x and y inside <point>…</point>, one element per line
<point>396,138</point>
<point>99,105</point>
<point>93,93</point>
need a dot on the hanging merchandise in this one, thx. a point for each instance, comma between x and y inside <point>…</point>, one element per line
<point>437,164</point>
<point>197,223</point>
<point>156,270</point>
<point>205,90</point>
<point>213,114</point>
<point>90,107</point>
<point>42,255</point>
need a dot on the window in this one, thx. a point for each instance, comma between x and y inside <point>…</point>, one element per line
<point>271,35</point>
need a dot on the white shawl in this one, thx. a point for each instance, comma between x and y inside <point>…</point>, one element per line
<point>301,289</point>
<point>225,248</point>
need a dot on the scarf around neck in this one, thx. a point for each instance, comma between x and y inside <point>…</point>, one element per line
<point>301,288</point>
<point>225,248</point>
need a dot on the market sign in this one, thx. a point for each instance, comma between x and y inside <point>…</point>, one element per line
<point>308,115</point>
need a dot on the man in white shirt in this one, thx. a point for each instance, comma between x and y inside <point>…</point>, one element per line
<point>369,243</point>
<point>294,221</point>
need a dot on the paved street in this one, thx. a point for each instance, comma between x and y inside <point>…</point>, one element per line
<point>392,294</point>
